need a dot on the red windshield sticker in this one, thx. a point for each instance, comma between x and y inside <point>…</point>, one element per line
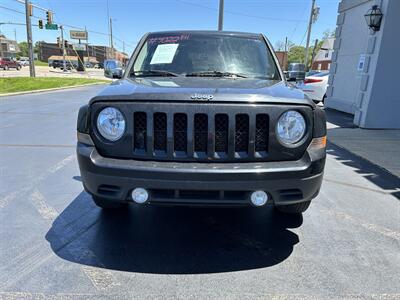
<point>169,39</point>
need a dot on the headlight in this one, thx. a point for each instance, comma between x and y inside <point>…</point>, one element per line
<point>291,127</point>
<point>111,123</point>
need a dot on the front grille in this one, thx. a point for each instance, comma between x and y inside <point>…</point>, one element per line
<point>201,136</point>
<point>140,134</point>
<point>180,132</point>
<point>221,133</point>
<point>242,133</point>
<point>200,132</point>
<point>262,128</point>
<point>160,131</point>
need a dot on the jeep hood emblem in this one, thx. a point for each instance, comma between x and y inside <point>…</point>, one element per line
<point>205,97</point>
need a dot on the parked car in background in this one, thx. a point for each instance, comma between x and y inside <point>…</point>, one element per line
<point>296,72</point>
<point>312,72</point>
<point>59,64</point>
<point>315,86</point>
<point>24,61</point>
<point>113,68</point>
<point>9,63</point>
<point>99,66</point>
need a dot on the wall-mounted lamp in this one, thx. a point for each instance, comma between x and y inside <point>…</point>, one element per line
<point>374,18</point>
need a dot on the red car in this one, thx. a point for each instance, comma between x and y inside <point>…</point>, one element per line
<point>7,63</point>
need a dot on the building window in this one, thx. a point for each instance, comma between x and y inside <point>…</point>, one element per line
<point>319,67</point>
<point>326,54</point>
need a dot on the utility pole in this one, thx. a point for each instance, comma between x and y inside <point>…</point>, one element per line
<point>123,46</point>
<point>15,34</point>
<point>310,22</point>
<point>63,49</point>
<point>313,51</point>
<point>111,39</point>
<point>87,46</point>
<point>285,58</point>
<point>28,11</point>
<point>221,15</point>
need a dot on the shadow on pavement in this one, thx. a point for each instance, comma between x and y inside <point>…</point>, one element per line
<point>374,173</point>
<point>172,240</point>
<point>339,118</point>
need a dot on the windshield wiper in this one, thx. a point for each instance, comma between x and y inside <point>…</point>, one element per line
<point>147,73</point>
<point>214,74</point>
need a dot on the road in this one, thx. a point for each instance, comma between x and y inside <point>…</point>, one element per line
<point>43,71</point>
<point>56,244</point>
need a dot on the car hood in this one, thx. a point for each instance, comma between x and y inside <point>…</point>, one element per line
<point>221,89</point>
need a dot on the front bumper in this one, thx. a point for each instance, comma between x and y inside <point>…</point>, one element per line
<point>286,182</point>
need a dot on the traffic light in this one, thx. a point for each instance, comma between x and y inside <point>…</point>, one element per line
<point>66,43</point>
<point>40,24</point>
<point>58,42</point>
<point>49,17</point>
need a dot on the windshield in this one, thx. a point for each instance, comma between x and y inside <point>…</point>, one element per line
<point>112,64</point>
<point>296,67</point>
<point>205,55</point>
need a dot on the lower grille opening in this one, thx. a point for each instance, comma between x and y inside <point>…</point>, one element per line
<point>290,194</point>
<point>199,196</point>
<point>108,190</point>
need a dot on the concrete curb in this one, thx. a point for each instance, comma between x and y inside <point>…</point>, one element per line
<point>50,90</point>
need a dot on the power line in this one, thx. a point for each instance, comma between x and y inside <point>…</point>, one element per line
<point>65,25</point>
<point>242,14</point>
<point>11,9</point>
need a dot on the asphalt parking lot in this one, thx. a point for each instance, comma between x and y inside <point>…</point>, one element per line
<point>44,71</point>
<point>56,244</point>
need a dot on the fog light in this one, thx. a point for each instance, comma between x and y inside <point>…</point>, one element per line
<point>259,198</point>
<point>140,195</point>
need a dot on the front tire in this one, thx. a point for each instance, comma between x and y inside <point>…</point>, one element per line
<point>297,208</point>
<point>108,204</point>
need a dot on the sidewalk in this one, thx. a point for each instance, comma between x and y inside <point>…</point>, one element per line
<point>381,147</point>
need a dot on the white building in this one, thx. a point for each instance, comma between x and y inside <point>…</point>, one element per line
<point>365,65</point>
<point>323,59</point>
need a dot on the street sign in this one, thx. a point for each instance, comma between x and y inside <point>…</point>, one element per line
<point>51,26</point>
<point>79,47</point>
<point>78,35</point>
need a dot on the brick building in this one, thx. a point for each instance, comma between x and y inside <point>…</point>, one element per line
<point>283,59</point>
<point>100,53</point>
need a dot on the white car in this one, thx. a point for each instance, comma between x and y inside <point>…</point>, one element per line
<point>315,86</point>
<point>24,62</point>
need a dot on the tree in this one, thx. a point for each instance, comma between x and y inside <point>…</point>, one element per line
<point>328,33</point>
<point>280,45</point>
<point>23,49</point>
<point>296,54</point>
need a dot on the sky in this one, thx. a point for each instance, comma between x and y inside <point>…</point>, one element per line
<point>131,19</point>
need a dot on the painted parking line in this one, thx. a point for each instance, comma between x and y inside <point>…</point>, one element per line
<point>33,184</point>
<point>100,278</point>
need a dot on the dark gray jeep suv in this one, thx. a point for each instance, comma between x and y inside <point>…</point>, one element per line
<point>202,118</point>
